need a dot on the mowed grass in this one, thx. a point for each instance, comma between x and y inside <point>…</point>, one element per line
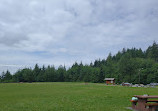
<point>67,96</point>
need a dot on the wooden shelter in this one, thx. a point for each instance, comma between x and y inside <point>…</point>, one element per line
<point>110,81</point>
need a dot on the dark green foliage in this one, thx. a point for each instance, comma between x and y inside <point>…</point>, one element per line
<point>35,73</point>
<point>129,65</point>
<point>101,75</point>
<point>6,77</point>
<point>152,52</point>
<point>61,73</point>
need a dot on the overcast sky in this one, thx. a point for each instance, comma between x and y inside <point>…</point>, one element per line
<point>64,31</point>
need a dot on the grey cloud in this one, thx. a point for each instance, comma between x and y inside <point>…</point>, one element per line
<point>75,29</point>
<point>10,39</point>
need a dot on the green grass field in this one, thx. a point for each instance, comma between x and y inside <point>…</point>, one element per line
<point>67,97</point>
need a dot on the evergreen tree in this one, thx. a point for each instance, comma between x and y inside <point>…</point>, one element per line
<point>6,76</point>
<point>152,52</point>
<point>36,71</point>
<point>128,65</point>
<point>101,75</point>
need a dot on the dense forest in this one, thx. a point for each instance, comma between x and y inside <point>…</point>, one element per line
<point>129,65</point>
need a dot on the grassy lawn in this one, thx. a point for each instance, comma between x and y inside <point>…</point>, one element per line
<point>67,96</point>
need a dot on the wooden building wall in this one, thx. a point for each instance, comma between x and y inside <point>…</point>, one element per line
<point>110,82</point>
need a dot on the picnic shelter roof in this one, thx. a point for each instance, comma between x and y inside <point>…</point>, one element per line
<point>109,79</point>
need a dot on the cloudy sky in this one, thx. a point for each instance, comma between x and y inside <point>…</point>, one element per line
<point>64,31</point>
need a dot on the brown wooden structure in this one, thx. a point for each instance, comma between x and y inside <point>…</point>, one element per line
<point>110,81</point>
<point>144,104</point>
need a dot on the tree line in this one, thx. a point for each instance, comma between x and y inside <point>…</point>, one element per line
<point>129,65</point>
